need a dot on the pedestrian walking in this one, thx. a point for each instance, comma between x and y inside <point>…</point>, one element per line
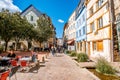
<point>34,55</point>
<point>53,50</point>
<point>59,49</point>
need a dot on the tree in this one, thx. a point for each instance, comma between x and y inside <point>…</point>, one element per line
<point>44,28</point>
<point>22,28</point>
<point>13,26</point>
<point>19,28</point>
<point>30,35</point>
<point>6,26</point>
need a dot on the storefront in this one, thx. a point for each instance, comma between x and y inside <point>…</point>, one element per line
<point>71,44</point>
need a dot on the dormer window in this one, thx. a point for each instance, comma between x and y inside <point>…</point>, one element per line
<point>31,18</point>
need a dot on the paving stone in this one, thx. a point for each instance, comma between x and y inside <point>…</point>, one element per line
<point>60,67</point>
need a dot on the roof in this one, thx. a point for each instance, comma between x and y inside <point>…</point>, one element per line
<point>37,12</point>
<point>31,8</point>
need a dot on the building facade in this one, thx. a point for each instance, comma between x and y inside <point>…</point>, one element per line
<point>32,15</point>
<point>65,36</point>
<point>65,33</point>
<point>71,32</point>
<point>81,27</point>
<point>99,32</point>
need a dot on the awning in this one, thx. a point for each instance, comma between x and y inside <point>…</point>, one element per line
<point>70,42</point>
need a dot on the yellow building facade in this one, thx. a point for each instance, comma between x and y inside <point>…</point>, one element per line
<point>99,33</point>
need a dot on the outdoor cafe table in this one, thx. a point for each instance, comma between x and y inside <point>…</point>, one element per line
<point>26,58</point>
<point>29,60</point>
<point>4,61</point>
<point>2,70</point>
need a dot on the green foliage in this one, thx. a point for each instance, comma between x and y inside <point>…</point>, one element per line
<point>45,28</point>
<point>82,57</point>
<point>73,53</point>
<point>6,26</point>
<point>103,66</point>
<point>13,26</point>
<point>1,49</point>
<point>118,58</point>
<point>68,52</point>
<point>22,30</point>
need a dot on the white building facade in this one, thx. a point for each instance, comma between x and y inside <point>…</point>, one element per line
<point>71,35</point>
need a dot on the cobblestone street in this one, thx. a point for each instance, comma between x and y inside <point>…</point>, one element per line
<point>60,67</point>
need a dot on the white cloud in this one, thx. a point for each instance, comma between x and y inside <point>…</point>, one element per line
<point>8,4</point>
<point>60,20</point>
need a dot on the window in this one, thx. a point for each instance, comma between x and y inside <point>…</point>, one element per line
<point>92,26</point>
<point>79,32</point>
<point>74,26</point>
<point>91,11</point>
<point>100,3</point>
<point>31,18</point>
<point>83,18</point>
<point>84,30</point>
<point>81,46</point>
<point>94,46</point>
<point>100,46</point>
<point>100,22</point>
<point>79,22</point>
<point>97,6</point>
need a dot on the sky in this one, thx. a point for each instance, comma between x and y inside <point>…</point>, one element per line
<point>58,10</point>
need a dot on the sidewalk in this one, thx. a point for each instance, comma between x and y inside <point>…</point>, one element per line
<point>61,67</point>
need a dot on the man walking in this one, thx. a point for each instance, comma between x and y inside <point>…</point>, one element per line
<point>53,50</point>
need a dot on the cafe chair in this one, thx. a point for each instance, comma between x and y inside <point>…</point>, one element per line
<point>24,64</point>
<point>4,75</point>
<point>13,63</point>
<point>13,72</point>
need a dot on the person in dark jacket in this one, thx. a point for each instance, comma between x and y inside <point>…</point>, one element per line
<point>11,54</point>
<point>53,50</point>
